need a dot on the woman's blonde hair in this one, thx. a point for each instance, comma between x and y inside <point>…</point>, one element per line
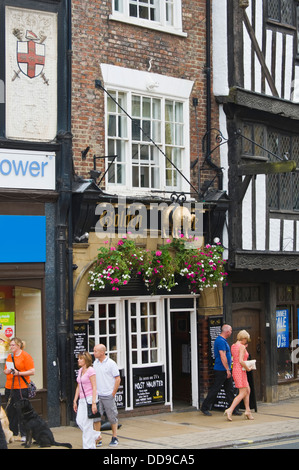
<point>19,342</point>
<point>87,358</point>
<point>243,334</point>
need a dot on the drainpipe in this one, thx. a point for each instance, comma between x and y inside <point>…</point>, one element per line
<point>71,387</point>
<point>63,240</point>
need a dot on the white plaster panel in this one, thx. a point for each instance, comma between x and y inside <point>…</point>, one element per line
<point>274,234</point>
<point>219,18</point>
<point>288,235</point>
<point>247,220</point>
<point>261,212</point>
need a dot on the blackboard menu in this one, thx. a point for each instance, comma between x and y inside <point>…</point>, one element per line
<point>215,325</point>
<point>80,342</point>
<point>120,394</point>
<point>148,386</point>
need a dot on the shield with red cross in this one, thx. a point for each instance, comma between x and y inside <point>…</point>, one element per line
<point>31,58</point>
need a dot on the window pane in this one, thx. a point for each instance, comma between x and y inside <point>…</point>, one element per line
<point>144,177</point>
<point>102,327</point>
<point>144,343</point>
<point>144,357</point>
<point>146,108</point>
<point>154,355</point>
<point>112,126</point>
<point>143,324</point>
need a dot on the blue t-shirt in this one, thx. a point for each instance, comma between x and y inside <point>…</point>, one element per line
<point>221,345</point>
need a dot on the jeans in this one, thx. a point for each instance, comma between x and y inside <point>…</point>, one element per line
<point>220,380</point>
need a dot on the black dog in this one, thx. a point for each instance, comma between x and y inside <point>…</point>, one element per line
<point>36,428</point>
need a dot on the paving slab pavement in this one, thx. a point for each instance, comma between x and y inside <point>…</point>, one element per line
<point>190,429</point>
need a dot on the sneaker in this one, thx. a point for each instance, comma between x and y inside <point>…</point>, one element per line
<point>114,442</point>
<point>99,442</point>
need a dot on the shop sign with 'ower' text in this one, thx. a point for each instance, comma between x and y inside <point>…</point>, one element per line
<point>27,169</point>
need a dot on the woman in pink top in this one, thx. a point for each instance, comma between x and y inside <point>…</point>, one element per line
<point>239,355</point>
<point>86,384</point>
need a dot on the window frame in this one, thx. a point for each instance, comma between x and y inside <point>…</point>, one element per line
<point>154,87</point>
<point>118,355</point>
<point>123,14</point>
<point>280,20</point>
<point>139,349</point>
<point>281,135</point>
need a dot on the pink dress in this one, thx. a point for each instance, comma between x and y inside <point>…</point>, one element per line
<point>239,375</point>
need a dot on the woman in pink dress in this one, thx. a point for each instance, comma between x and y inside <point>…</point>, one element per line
<point>239,355</point>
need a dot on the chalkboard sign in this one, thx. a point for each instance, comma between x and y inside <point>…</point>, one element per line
<point>80,342</point>
<point>215,325</point>
<point>148,386</point>
<point>120,394</point>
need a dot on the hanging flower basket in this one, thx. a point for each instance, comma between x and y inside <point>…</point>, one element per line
<point>159,269</point>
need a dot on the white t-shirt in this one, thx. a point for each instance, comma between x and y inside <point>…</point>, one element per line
<point>106,372</point>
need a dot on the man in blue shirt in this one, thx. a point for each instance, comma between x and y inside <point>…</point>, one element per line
<point>222,371</point>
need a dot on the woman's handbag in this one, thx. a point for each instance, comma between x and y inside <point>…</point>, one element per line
<point>31,388</point>
<point>251,363</point>
<point>30,385</point>
<point>90,414</point>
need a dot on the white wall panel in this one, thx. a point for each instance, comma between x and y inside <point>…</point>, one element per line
<point>261,212</point>
<point>274,234</point>
<point>288,235</point>
<point>247,220</point>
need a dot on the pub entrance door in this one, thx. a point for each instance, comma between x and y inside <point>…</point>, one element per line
<point>181,357</point>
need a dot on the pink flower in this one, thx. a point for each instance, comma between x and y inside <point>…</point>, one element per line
<point>158,253</point>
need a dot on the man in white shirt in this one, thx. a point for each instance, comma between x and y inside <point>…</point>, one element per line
<point>108,381</point>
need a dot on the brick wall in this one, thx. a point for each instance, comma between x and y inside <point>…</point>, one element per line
<point>97,39</point>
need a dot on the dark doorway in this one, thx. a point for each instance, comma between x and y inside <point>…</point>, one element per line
<point>249,319</point>
<point>181,357</point>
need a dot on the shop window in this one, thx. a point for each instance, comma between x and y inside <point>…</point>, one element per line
<point>103,327</point>
<point>144,333</point>
<point>21,316</point>
<point>287,317</point>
